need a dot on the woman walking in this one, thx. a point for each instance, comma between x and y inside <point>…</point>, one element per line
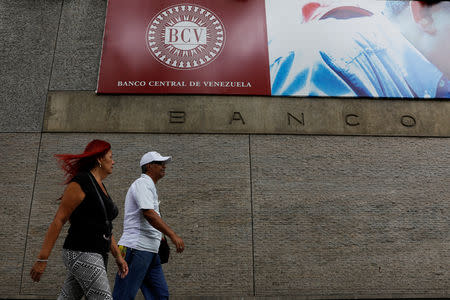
<point>90,211</point>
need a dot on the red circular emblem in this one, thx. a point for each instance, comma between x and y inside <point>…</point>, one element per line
<point>185,36</point>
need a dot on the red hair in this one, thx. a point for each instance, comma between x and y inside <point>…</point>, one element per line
<point>84,162</point>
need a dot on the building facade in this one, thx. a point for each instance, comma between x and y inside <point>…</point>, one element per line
<point>292,197</point>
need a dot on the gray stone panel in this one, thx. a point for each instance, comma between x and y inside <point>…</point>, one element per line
<point>205,197</point>
<point>75,111</point>
<point>28,32</point>
<point>351,216</point>
<point>17,170</point>
<point>79,47</point>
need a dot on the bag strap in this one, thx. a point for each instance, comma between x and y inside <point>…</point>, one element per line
<point>108,223</point>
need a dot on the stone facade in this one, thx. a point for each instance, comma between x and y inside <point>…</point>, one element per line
<point>297,216</point>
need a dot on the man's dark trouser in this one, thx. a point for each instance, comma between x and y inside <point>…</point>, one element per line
<point>144,272</point>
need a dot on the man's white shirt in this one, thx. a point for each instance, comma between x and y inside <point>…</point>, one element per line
<point>137,231</point>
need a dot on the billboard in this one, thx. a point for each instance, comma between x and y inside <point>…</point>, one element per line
<point>345,48</point>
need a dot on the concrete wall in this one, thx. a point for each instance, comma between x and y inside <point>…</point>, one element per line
<point>304,216</point>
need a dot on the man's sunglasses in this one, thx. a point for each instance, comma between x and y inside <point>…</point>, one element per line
<point>158,162</point>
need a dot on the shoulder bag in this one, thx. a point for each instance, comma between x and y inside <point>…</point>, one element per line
<point>106,236</point>
<point>164,250</point>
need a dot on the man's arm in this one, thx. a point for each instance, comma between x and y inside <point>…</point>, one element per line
<point>157,222</point>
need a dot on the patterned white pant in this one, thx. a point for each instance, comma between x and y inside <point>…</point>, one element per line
<point>86,276</point>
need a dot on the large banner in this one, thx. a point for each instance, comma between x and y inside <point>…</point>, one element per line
<point>337,48</point>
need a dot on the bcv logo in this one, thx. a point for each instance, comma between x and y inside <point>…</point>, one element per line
<point>185,36</point>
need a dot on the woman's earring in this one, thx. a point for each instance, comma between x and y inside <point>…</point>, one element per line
<point>100,165</point>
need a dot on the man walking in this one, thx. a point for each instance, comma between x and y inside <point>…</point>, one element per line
<point>142,233</point>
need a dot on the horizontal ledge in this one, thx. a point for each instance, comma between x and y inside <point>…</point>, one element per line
<point>84,111</point>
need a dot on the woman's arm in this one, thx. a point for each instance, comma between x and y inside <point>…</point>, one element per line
<point>121,263</point>
<point>72,197</point>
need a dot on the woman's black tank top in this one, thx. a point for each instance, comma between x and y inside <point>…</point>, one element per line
<point>87,222</point>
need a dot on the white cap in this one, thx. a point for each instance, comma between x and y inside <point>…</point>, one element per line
<point>154,156</point>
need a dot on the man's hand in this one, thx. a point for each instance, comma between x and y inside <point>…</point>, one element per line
<point>155,220</point>
<point>178,242</point>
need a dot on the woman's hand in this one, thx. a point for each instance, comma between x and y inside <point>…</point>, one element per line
<point>122,266</point>
<point>37,270</point>
<point>120,261</point>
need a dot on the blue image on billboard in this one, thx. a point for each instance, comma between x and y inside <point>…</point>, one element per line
<point>348,48</point>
